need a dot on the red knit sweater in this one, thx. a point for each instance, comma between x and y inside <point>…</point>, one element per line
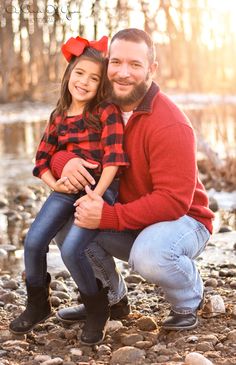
<point>162,182</point>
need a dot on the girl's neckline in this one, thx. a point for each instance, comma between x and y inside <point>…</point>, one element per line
<point>75,115</point>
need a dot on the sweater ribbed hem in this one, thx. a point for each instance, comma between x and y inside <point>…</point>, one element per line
<point>109,218</point>
<point>59,160</point>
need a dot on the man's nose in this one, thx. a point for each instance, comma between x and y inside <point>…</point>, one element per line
<point>124,70</point>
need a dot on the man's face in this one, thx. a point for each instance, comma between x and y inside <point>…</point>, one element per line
<point>129,72</point>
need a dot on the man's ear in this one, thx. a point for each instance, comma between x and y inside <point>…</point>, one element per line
<point>153,68</point>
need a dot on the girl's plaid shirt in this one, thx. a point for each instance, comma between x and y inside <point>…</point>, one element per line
<point>103,147</point>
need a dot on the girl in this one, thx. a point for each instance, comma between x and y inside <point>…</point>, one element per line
<point>83,125</point>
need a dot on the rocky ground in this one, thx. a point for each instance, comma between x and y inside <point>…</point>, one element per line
<point>137,339</point>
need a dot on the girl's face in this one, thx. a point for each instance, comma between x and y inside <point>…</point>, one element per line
<point>84,81</point>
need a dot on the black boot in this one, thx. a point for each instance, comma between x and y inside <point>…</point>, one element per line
<point>74,314</point>
<point>98,314</point>
<point>38,309</point>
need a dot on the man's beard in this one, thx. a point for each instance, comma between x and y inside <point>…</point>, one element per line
<point>135,95</point>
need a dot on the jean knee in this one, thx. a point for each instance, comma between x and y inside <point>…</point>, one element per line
<point>150,256</point>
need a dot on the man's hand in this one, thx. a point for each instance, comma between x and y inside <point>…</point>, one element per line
<point>89,211</point>
<point>77,175</point>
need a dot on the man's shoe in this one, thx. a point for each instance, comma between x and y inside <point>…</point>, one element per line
<point>181,321</point>
<point>78,313</point>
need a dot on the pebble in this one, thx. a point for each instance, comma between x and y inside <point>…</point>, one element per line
<point>42,358</point>
<point>204,346</point>
<point>11,284</point>
<point>214,306</point>
<point>128,355</point>
<point>232,336</point>
<point>146,323</point>
<point>131,339</point>
<point>58,286</point>
<point>113,326</point>
<point>196,359</point>
<point>55,361</point>
<point>211,282</point>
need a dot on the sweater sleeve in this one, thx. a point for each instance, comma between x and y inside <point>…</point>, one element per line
<point>173,171</point>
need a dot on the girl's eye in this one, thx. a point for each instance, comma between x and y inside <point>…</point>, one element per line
<point>95,79</point>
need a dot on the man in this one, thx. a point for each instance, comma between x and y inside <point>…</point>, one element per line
<point>162,221</point>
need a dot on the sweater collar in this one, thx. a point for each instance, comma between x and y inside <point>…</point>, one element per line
<point>146,103</point>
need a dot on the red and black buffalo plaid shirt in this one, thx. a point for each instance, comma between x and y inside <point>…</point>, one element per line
<point>103,147</point>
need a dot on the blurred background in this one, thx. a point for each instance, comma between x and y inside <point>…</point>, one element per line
<point>195,42</point>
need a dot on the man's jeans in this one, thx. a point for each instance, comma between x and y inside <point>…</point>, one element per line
<point>162,253</point>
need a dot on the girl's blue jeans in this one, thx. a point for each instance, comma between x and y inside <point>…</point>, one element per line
<point>163,253</point>
<point>54,214</point>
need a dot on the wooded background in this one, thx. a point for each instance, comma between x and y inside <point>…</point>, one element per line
<point>195,42</point>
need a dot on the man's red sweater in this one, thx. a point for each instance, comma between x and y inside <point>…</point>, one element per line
<point>162,181</point>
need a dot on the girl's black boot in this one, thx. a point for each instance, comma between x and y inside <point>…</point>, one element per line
<point>38,308</point>
<point>98,314</point>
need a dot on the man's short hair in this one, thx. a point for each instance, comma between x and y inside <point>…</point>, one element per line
<point>137,36</point>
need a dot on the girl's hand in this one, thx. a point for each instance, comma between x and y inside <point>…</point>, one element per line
<point>60,187</point>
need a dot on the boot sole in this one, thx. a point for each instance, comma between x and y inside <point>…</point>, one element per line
<point>181,327</point>
<point>29,330</point>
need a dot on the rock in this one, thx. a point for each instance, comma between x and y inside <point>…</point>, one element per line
<point>214,306</point>
<point>143,344</point>
<point>11,284</point>
<point>128,355</point>
<point>211,282</point>
<point>24,194</point>
<point>134,279</point>
<point>103,350</point>
<point>163,359</point>
<point>234,312</point>
<point>3,202</point>
<point>146,323</point>
<point>61,295</point>
<point>64,274</point>
<point>196,359</point>
<point>204,346</point>
<point>114,326</point>
<point>8,297</point>
<point>55,361</point>
<point>213,204</point>
<point>12,344</point>
<point>55,301</point>
<point>232,336</point>
<point>42,358</point>
<point>192,339</point>
<point>58,285</point>
<point>131,339</point>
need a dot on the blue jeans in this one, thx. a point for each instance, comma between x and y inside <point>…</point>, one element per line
<point>54,214</point>
<point>162,253</point>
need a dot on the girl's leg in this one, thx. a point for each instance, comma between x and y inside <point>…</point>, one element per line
<point>51,218</point>
<point>74,257</point>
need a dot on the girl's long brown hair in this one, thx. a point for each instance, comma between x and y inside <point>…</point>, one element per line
<point>65,98</point>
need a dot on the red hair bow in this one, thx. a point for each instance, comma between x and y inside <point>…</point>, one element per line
<point>76,46</point>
